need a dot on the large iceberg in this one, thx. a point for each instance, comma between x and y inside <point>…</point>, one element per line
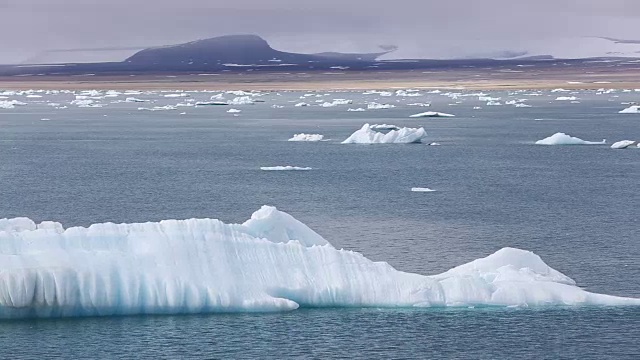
<point>633,109</point>
<point>564,139</point>
<point>272,262</point>
<point>366,135</point>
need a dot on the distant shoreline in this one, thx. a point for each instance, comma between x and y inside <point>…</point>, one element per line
<point>468,79</point>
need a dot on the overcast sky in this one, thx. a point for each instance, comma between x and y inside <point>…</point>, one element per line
<point>422,28</point>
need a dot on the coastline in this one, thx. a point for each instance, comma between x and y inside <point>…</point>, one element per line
<point>458,79</point>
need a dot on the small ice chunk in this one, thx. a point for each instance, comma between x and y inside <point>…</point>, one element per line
<point>421,189</point>
<point>431,114</point>
<point>623,144</point>
<point>306,137</point>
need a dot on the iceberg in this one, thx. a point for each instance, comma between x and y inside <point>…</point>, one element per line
<point>306,137</point>
<point>431,114</point>
<point>566,98</point>
<point>285,168</point>
<point>377,106</point>
<point>241,100</point>
<point>133,99</point>
<point>624,144</point>
<point>234,111</point>
<point>10,104</point>
<point>633,109</point>
<point>301,104</point>
<point>421,189</point>
<point>336,102</point>
<point>366,135</point>
<point>271,262</point>
<point>564,139</point>
<point>356,109</point>
<point>211,103</point>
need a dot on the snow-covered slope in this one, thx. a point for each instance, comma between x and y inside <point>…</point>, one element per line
<point>272,262</point>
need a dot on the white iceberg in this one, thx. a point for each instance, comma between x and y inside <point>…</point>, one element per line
<point>564,139</point>
<point>306,137</point>
<point>633,109</point>
<point>421,189</point>
<point>356,109</point>
<point>176,95</point>
<point>234,111</point>
<point>377,106</point>
<point>566,98</point>
<point>211,103</point>
<point>242,100</point>
<point>624,144</point>
<point>366,135</point>
<point>133,99</point>
<point>272,262</point>
<point>285,168</point>
<point>431,114</point>
<point>301,104</point>
<point>336,102</point>
<point>10,104</point>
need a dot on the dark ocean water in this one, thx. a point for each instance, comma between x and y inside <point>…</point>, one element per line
<point>575,206</point>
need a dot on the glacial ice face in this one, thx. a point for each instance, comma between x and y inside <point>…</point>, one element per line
<point>272,262</point>
<point>564,139</point>
<point>366,135</point>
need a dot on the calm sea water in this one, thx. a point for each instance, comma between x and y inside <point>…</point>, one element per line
<point>575,206</point>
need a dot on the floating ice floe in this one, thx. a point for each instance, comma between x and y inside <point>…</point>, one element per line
<point>566,98</point>
<point>176,95</point>
<point>633,109</point>
<point>306,137</point>
<point>242,100</point>
<point>11,104</point>
<point>234,111</point>
<point>159,108</point>
<point>366,135</point>
<point>356,109</point>
<point>419,104</point>
<point>625,144</point>
<point>285,168</point>
<point>271,262</point>
<point>421,189</point>
<point>377,106</point>
<point>564,139</point>
<point>301,104</point>
<point>133,99</point>
<point>211,103</point>
<point>408,93</point>
<point>521,105</point>
<point>336,102</point>
<point>431,114</point>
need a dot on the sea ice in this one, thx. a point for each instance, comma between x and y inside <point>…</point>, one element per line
<point>366,135</point>
<point>271,262</point>
<point>421,189</point>
<point>234,111</point>
<point>564,139</point>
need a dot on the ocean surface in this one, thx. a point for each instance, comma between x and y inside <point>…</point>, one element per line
<point>575,206</point>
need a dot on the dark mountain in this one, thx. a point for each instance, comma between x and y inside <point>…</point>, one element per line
<point>232,49</point>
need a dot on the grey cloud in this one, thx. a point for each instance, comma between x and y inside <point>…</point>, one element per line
<point>422,28</point>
